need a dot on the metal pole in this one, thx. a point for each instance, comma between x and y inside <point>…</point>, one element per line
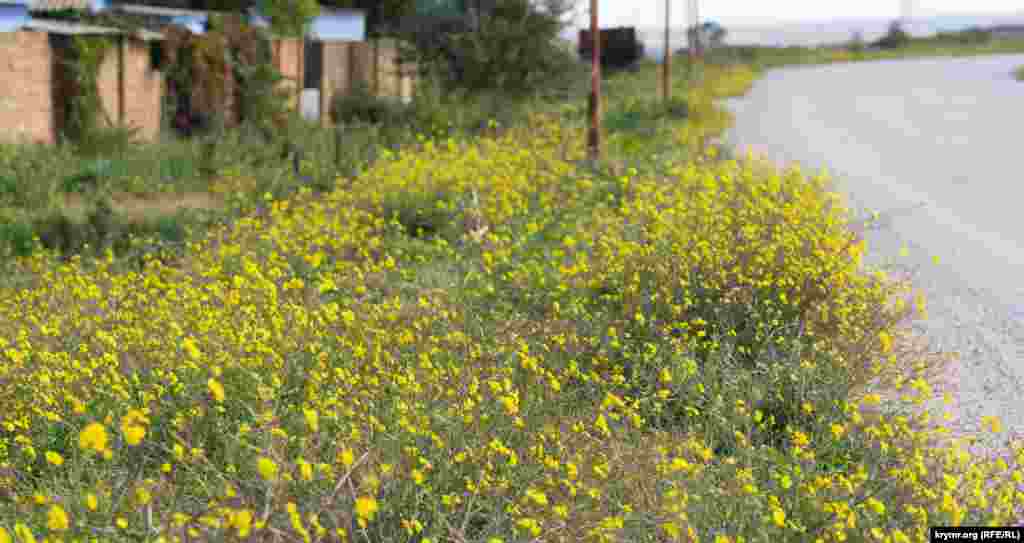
<point>666,85</point>
<point>594,134</point>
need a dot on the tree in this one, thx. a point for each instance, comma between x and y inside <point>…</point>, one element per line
<point>512,46</point>
<point>895,38</point>
<point>289,17</point>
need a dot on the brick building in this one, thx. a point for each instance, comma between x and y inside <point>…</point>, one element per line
<point>34,92</point>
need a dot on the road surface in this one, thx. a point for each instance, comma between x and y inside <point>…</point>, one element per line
<point>936,147</point>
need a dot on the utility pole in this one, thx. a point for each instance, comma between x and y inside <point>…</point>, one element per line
<point>594,134</point>
<point>666,82</point>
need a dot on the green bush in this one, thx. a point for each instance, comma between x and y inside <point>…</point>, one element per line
<point>1019,74</point>
<point>88,177</point>
<point>361,106</point>
<point>895,38</point>
<point>16,238</point>
<point>515,48</point>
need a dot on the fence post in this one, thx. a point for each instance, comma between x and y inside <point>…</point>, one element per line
<point>325,50</point>
<point>376,67</point>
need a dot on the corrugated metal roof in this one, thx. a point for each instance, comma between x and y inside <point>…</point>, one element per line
<point>73,29</point>
<point>139,9</point>
<point>51,5</point>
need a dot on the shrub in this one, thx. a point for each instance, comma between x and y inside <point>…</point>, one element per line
<point>16,237</point>
<point>514,49</point>
<point>362,106</point>
<point>1019,73</point>
<point>895,38</point>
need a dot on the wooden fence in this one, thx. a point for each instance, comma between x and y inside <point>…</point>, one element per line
<point>342,64</point>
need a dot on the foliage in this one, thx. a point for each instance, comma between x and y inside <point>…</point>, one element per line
<point>534,349</point>
<point>514,49</point>
<point>895,37</point>
<point>380,14</point>
<point>572,354</point>
<point>966,37</point>
<point>1019,73</point>
<point>85,108</point>
<point>289,17</point>
<point>361,105</point>
<point>230,63</point>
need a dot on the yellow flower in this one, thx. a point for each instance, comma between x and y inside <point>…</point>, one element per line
<point>121,523</point>
<point>779,518</point>
<point>54,458</point>
<point>4,536</point>
<point>366,507</point>
<point>876,506</point>
<point>142,495</point>
<point>91,502</point>
<point>93,437</point>
<point>537,496</point>
<point>57,519</point>
<point>886,340</point>
<point>306,470</point>
<point>800,439</point>
<point>993,423</point>
<point>312,419</point>
<point>347,457</point>
<point>267,468</point>
<point>530,524</point>
<point>216,389</point>
<point>23,533</point>
<point>133,434</point>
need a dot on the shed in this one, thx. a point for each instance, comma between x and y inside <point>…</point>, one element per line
<point>34,98</point>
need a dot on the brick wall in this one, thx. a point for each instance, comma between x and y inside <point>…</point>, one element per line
<point>26,104</point>
<point>143,88</point>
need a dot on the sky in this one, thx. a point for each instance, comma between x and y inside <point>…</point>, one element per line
<point>642,13</point>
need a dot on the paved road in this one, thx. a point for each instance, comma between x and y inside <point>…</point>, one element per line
<point>937,147</point>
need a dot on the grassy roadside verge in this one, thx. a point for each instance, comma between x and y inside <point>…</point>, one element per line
<point>771,57</point>
<point>486,340</point>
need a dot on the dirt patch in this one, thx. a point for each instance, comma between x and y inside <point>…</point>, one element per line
<point>137,208</point>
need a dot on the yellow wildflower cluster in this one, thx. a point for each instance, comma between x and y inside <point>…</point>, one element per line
<point>551,353</point>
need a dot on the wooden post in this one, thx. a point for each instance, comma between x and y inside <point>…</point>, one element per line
<point>666,83</point>
<point>594,134</point>
<point>325,50</point>
<point>376,67</point>
<point>300,77</point>
<point>120,80</point>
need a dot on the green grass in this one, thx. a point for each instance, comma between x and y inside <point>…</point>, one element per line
<point>771,57</point>
<point>516,274</point>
